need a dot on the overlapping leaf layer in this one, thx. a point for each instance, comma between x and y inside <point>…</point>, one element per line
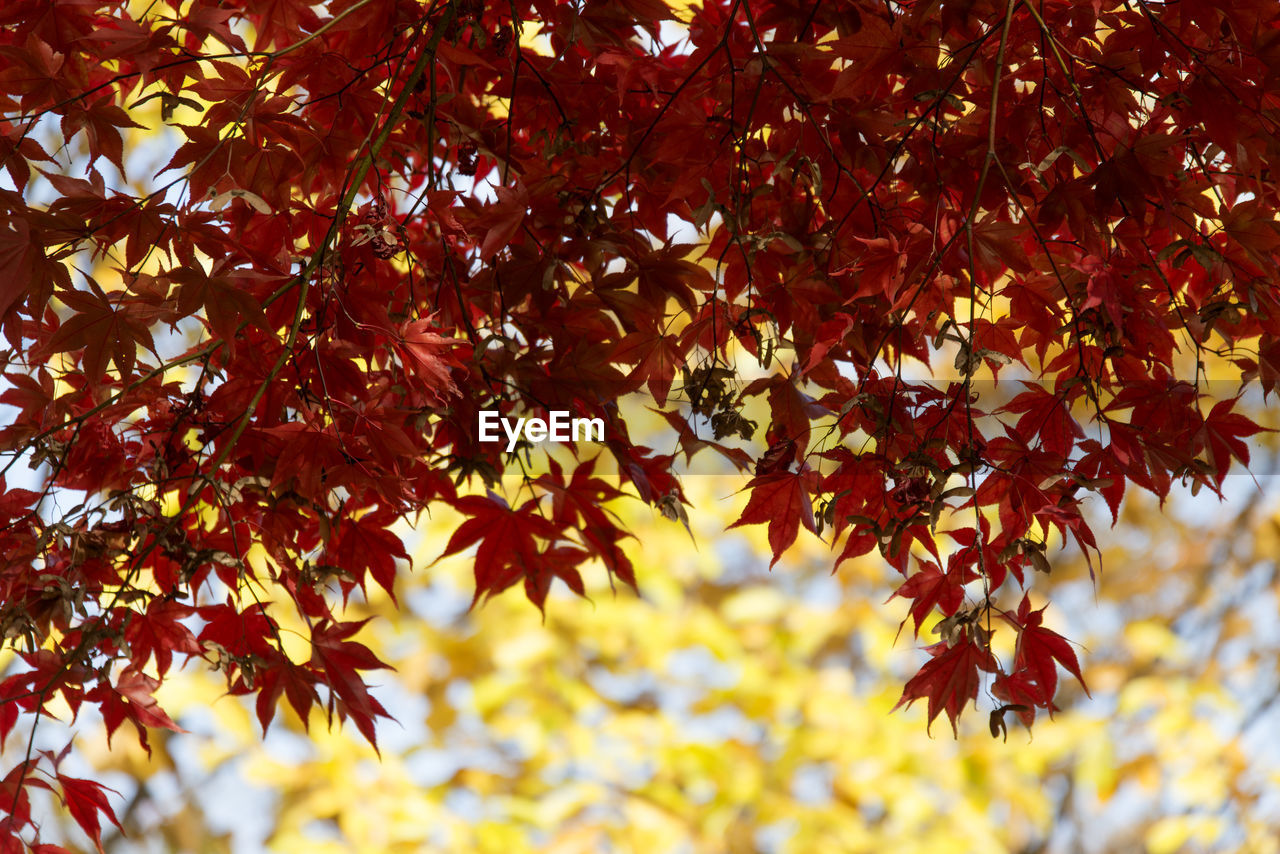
<point>380,217</point>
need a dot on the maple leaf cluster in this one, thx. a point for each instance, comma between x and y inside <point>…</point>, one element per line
<point>380,218</point>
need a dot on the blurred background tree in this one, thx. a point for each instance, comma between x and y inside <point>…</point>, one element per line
<point>733,709</point>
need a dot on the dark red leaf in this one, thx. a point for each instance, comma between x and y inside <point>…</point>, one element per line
<point>950,679</point>
<point>85,800</point>
<point>781,501</point>
<point>1040,650</point>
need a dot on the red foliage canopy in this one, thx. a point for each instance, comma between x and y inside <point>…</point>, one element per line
<point>381,217</point>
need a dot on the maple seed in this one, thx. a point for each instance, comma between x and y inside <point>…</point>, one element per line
<point>559,428</point>
<point>467,156</point>
<point>502,41</point>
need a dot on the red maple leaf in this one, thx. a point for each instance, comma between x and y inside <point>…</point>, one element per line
<point>20,255</point>
<point>508,540</point>
<point>780,500</point>
<point>107,328</point>
<point>428,356</point>
<point>100,121</point>
<point>1021,690</point>
<point>1047,415</point>
<point>578,504</point>
<point>296,682</point>
<point>158,632</point>
<point>131,698</point>
<point>363,546</point>
<point>928,588</point>
<point>656,358</point>
<point>1223,432</point>
<point>949,679</point>
<point>339,659</point>
<point>1039,648</point>
<point>85,800</point>
<point>502,220</point>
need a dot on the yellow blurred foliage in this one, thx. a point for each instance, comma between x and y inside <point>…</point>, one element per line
<point>733,709</point>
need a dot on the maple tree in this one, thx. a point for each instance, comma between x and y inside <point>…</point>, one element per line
<point>381,217</point>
